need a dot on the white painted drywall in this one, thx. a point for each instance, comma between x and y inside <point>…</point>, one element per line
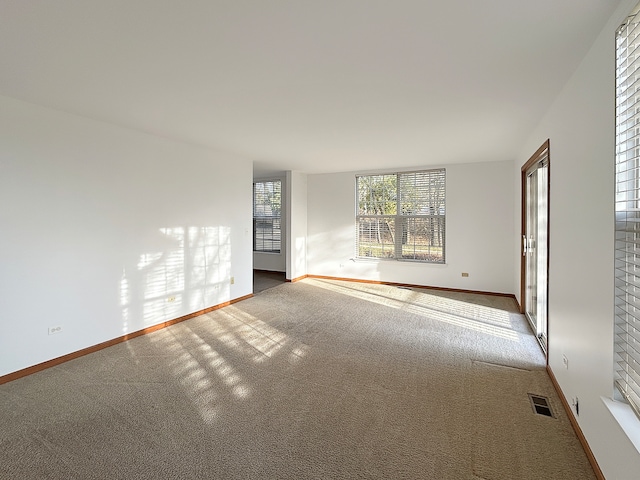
<point>275,262</point>
<point>479,229</point>
<point>580,127</point>
<point>296,225</point>
<point>103,226</point>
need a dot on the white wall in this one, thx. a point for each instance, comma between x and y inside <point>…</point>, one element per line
<point>296,225</point>
<point>102,226</point>
<point>580,126</point>
<point>275,262</point>
<point>479,229</point>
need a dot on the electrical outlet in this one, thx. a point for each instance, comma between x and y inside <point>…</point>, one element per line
<point>233,280</point>
<point>565,361</point>
<point>54,330</point>
<point>576,405</point>
<point>465,274</point>
<point>172,298</point>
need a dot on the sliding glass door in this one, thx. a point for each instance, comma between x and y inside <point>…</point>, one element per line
<point>535,242</point>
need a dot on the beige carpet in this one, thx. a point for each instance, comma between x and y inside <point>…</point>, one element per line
<point>313,380</point>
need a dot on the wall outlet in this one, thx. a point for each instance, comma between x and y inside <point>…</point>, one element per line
<point>576,405</point>
<point>54,330</point>
<point>172,298</point>
<point>465,274</point>
<point>565,361</point>
<point>233,280</point>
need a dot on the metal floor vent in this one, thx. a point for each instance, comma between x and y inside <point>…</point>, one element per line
<point>541,405</point>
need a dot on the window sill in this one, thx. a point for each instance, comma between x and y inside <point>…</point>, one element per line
<point>626,418</point>
<point>393,260</point>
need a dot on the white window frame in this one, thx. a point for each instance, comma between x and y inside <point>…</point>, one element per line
<point>263,213</point>
<point>407,227</point>
<point>627,214</point>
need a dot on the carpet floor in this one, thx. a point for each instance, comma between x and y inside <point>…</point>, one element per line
<point>317,379</point>
<point>263,280</point>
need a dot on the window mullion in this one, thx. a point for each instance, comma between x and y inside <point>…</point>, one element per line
<point>399,220</point>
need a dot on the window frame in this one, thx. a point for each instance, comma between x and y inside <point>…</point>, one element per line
<point>272,218</point>
<point>626,334</point>
<point>434,221</point>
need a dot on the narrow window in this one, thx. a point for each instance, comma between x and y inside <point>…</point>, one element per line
<point>267,203</point>
<point>627,213</point>
<point>401,216</point>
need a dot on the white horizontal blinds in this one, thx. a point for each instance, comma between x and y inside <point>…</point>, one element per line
<point>627,213</point>
<point>267,209</point>
<point>401,216</point>
<point>422,208</point>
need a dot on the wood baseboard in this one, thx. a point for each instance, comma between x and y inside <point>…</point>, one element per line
<point>85,351</point>
<point>576,427</point>
<point>297,279</point>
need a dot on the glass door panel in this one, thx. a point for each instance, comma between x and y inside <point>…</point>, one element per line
<point>535,248</point>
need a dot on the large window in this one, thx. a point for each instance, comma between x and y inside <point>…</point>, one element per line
<point>627,213</point>
<point>267,207</point>
<point>401,216</point>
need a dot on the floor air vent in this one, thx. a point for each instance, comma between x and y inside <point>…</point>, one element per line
<point>541,405</point>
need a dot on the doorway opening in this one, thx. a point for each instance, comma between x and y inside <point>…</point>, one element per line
<point>264,280</point>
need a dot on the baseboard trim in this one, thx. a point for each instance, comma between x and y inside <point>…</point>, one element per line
<point>100,346</point>
<point>297,279</point>
<point>576,427</point>
<point>411,285</point>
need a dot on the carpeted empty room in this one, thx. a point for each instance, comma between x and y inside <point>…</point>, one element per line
<point>316,379</point>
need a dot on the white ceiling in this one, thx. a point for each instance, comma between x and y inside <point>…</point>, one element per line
<point>310,85</point>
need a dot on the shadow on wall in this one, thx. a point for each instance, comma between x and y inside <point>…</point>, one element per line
<point>188,270</point>
<point>300,266</point>
<point>332,254</point>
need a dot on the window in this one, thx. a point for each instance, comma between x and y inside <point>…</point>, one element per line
<point>267,206</point>
<point>401,216</point>
<point>627,213</point>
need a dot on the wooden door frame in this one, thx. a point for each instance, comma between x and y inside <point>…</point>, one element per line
<point>523,226</point>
